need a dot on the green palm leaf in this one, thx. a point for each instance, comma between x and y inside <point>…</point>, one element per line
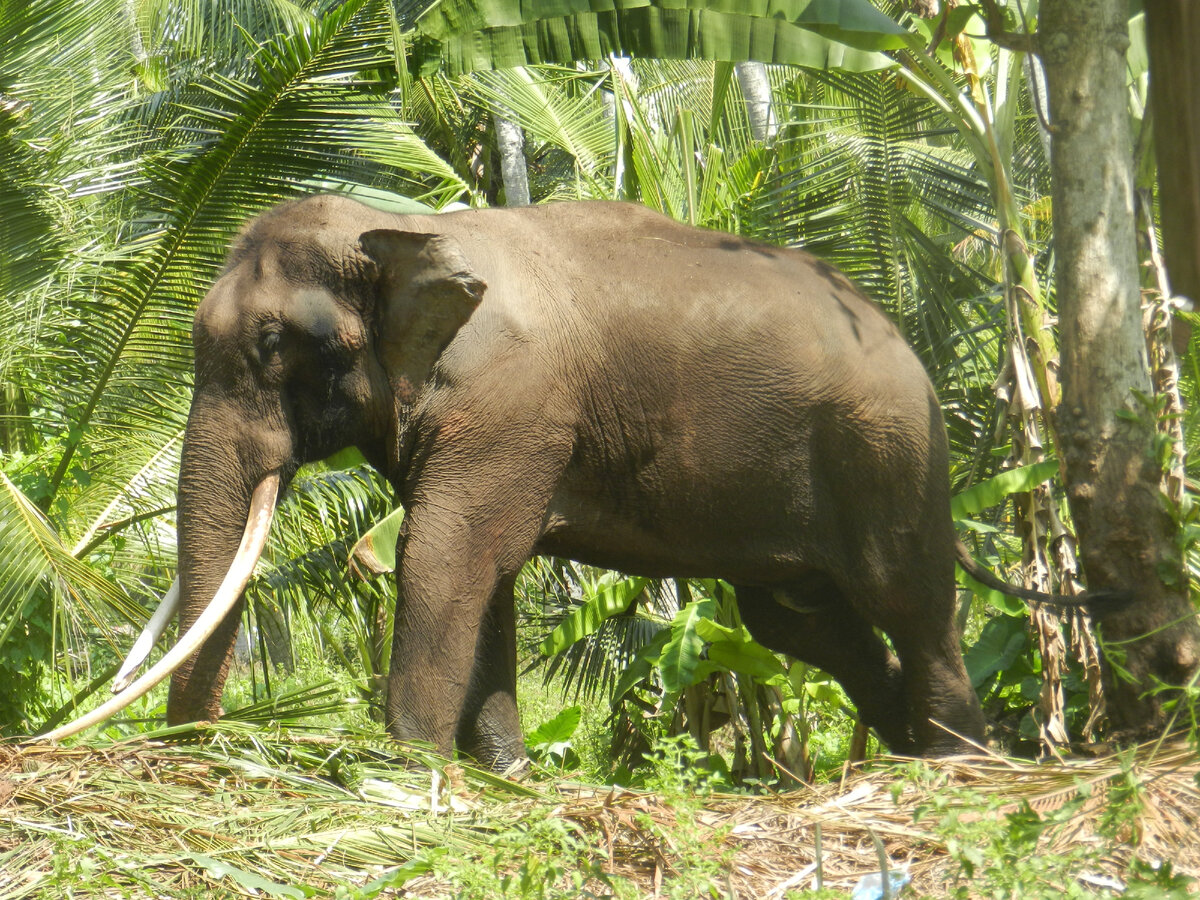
<point>869,180</point>
<point>555,107</point>
<point>235,148</point>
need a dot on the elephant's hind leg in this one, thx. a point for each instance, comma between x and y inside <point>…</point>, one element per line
<point>946,718</point>
<point>833,637</point>
<point>917,612</point>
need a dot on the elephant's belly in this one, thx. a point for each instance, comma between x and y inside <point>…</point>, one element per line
<point>689,540</point>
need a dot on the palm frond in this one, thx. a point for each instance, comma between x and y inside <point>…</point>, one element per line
<point>234,148</point>
<point>591,667</point>
<point>59,56</point>
<point>170,32</point>
<point>871,178</point>
<point>48,598</point>
<point>554,107</point>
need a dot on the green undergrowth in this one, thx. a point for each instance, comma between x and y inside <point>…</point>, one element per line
<point>299,793</point>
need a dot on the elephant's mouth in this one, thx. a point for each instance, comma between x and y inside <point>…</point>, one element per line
<point>254,538</point>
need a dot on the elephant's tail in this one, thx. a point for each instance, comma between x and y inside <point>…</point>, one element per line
<point>1093,600</point>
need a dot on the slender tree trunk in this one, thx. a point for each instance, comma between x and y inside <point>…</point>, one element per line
<point>511,141</point>
<point>1128,539</point>
<point>1173,41</point>
<point>756,90</point>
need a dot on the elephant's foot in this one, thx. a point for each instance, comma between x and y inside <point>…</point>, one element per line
<point>501,760</point>
<point>495,743</point>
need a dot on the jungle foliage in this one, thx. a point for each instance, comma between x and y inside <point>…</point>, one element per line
<point>137,137</point>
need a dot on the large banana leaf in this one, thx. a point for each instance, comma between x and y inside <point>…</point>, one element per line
<point>492,34</point>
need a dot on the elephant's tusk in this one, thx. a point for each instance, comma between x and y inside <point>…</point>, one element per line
<point>258,523</point>
<point>148,638</point>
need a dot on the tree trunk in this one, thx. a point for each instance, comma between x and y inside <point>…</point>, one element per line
<point>756,90</point>
<point>1173,39</point>
<point>510,140</point>
<point>1128,539</point>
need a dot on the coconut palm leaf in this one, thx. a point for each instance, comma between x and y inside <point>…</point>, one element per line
<point>57,55</point>
<point>554,593</point>
<point>104,381</point>
<point>234,148</point>
<point>171,31</point>
<point>870,179</point>
<point>562,108</point>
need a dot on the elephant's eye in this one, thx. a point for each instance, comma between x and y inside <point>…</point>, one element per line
<point>268,344</point>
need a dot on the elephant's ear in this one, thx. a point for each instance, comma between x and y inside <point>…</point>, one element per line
<point>426,291</point>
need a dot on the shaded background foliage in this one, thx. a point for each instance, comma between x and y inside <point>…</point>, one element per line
<point>136,136</point>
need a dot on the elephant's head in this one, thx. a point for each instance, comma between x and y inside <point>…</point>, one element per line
<point>318,335</point>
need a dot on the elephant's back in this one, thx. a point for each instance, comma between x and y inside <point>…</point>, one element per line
<point>601,286</point>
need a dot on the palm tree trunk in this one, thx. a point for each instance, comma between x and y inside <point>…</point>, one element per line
<point>1128,540</point>
<point>756,90</point>
<point>511,141</point>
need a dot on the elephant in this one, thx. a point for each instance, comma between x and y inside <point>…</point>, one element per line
<point>589,380</point>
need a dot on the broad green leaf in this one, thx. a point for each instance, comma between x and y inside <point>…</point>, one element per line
<point>734,649</point>
<point>551,741</point>
<point>1000,643</point>
<point>978,527</point>
<point>248,881</point>
<point>854,22</point>
<point>350,458</point>
<point>609,598</point>
<point>713,631</point>
<point>746,658</point>
<point>825,692</point>
<point>478,34</point>
<point>557,730</point>
<point>1012,606</point>
<point>995,490</point>
<point>681,657</point>
<point>376,550</point>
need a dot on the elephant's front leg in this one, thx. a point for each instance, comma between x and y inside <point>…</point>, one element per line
<point>489,729</point>
<point>453,666</point>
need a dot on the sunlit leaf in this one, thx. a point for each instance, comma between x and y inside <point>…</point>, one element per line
<point>999,488</point>
<point>608,598</point>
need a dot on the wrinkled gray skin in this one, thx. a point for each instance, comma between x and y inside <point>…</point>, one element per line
<point>593,381</point>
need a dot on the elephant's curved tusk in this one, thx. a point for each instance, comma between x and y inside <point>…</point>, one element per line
<point>258,523</point>
<point>148,638</point>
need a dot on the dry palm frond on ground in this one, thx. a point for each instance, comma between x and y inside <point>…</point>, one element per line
<point>243,812</point>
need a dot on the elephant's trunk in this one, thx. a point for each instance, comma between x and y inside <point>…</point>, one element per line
<point>216,612</point>
<point>223,458</point>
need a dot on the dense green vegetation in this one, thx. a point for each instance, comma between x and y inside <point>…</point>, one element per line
<point>137,137</point>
